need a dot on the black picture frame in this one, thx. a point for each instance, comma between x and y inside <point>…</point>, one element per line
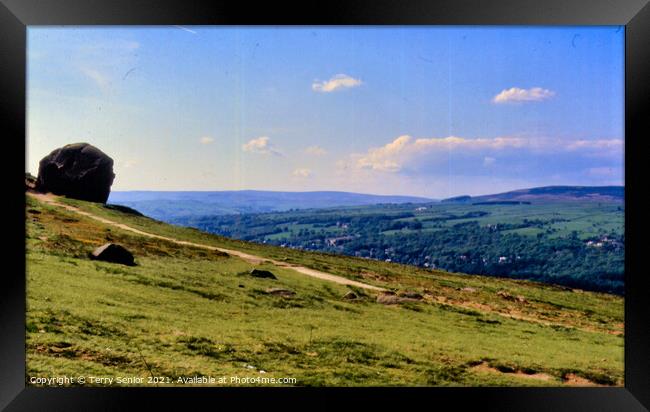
<point>16,15</point>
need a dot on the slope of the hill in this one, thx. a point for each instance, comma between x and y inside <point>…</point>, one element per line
<point>185,311</point>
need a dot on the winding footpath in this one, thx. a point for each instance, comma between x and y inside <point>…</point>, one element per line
<point>51,200</point>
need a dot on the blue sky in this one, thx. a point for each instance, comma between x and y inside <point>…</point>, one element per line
<point>429,111</point>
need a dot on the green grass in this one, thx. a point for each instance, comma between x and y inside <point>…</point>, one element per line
<point>185,311</point>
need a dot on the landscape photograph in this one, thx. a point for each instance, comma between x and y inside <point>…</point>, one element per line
<point>325,206</point>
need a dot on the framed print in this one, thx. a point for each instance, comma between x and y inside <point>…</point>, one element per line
<point>372,201</point>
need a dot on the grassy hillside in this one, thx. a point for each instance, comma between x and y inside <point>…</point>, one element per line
<point>186,311</point>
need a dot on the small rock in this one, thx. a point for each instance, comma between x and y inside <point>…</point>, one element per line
<point>264,274</point>
<point>468,289</point>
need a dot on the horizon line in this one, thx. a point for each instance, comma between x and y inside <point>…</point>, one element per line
<point>367,194</point>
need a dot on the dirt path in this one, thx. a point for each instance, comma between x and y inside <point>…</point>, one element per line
<point>51,199</point>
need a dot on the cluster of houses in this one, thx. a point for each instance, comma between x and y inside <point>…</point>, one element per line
<point>500,260</point>
<point>602,241</point>
<point>342,225</point>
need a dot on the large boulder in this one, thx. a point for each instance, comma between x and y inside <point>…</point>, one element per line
<point>114,253</point>
<point>79,170</point>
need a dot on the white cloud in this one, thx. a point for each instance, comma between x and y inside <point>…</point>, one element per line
<point>394,156</point>
<point>602,144</point>
<point>340,81</point>
<point>515,94</point>
<point>303,173</point>
<point>387,158</point>
<point>257,145</point>
<point>206,140</point>
<point>261,145</point>
<point>316,151</point>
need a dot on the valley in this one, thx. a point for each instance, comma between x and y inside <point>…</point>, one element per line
<point>576,243</point>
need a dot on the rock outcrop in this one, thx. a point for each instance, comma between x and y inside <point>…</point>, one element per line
<point>79,170</point>
<point>114,253</point>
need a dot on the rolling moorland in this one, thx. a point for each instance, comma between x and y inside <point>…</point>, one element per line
<point>572,236</point>
<point>185,310</point>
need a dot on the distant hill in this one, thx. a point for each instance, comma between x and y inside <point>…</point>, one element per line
<point>549,193</point>
<point>169,205</point>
